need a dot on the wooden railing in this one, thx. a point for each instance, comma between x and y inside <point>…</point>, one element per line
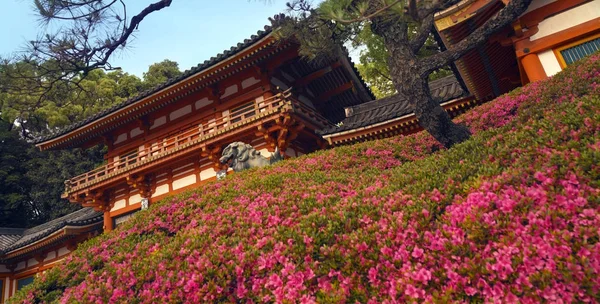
<point>192,135</point>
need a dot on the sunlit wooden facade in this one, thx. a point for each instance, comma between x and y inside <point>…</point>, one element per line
<point>170,139</point>
<point>547,37</point>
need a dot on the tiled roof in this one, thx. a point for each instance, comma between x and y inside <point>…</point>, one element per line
<point>206,64</point>
<point>391,107</point>
<point>194,70</point>
<point>11,239</point>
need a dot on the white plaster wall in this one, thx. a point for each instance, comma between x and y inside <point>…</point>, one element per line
<point>121,138</point>
<point>249,81</point>
<point>159,122</point>
<point>265,152</point>
<point>184,181</point>
<point>6,287</point>
<point>135,132</point>
<point>549,62</point>
<point>63,251</point>
<point>120,204</point>
<point>32,262</point>
<point>568,19</point>
<point>20,266</point>
<point>3,268</point>
<point>134,199</point>
<point>230,90</point>
<point>207,173</point>
<point>160,190</point>
<point>50,256</point>
<point>180,112</point>
<point>202,103</point>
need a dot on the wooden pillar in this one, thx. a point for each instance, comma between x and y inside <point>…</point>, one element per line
<point>533,68</point>
<point>108,223</point>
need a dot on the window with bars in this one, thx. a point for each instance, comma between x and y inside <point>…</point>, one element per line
<point>573,53</point>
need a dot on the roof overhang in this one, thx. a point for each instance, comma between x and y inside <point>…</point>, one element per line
<point>405,124</point>
<point>172,91</point>
<point>52,240</point>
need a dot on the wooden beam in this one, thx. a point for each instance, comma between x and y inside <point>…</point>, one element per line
<point>316,75</point>
<point>336,91</point>
<point>282,58</point>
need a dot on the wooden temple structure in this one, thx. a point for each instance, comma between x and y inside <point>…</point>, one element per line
<point>261,92</point>
<point>27,252</point>
<point>547,37</point>
<point>171,138</point>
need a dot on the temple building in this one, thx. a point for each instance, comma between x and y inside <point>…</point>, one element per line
<point>27,252</point>
<point>263,93</point>
<point>547,37</point>
<point>170,138</point>
<point>550,35</point>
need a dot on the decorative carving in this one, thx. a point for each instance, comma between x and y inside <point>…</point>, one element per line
<point>241,156</point>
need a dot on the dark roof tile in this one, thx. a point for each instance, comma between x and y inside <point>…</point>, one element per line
<point>380,110</point>
<point>11,239</point>
<point>194,70</point>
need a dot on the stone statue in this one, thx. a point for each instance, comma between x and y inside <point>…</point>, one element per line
<point>240,156</point>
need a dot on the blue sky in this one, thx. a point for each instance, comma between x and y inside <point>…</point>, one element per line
<point>189,31</point>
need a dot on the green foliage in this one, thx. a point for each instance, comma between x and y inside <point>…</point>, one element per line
<point>47,172</point>
<point>161,72</point>
<point>15,208</point>
<point>373,65</point>
<point>35,180</point>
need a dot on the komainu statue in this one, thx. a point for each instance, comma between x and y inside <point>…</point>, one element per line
<point>241,156</point>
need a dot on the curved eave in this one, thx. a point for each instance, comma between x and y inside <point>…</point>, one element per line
<point>400,125</point>
<point>64,139</point>
<point>459,13</point>
<point>51,240</point>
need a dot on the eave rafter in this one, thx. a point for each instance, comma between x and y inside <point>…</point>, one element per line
<point>336,91</point>
<point>306,80</point>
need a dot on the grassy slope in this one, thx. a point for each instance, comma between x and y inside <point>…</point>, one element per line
<point>512,213</point>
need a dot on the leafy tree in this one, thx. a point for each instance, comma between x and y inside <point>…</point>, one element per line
<point>92,31</point>
<point>48,171</point>
<point>334,22</point>
<point>373,65</point>
<point>15,207</point>
<point>161,72</point>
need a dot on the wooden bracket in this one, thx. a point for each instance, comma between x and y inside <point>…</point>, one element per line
<point>98,199</point>
<point>141,182</point>
<point>213,154</point>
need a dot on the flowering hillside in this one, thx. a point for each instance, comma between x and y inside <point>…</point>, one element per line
<point>513,213</point>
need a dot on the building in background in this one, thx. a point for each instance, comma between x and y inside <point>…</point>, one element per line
<point>27,252</point>
<point>550,35</point>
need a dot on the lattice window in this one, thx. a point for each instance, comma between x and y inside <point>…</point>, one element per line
<point>573,52</point>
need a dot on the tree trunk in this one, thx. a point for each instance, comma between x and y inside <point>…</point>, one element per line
<point>412,83</point>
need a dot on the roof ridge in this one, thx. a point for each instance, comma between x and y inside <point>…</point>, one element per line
<point>191,71</point>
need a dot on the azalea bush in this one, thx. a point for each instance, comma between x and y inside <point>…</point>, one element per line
<point>510,215</point>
